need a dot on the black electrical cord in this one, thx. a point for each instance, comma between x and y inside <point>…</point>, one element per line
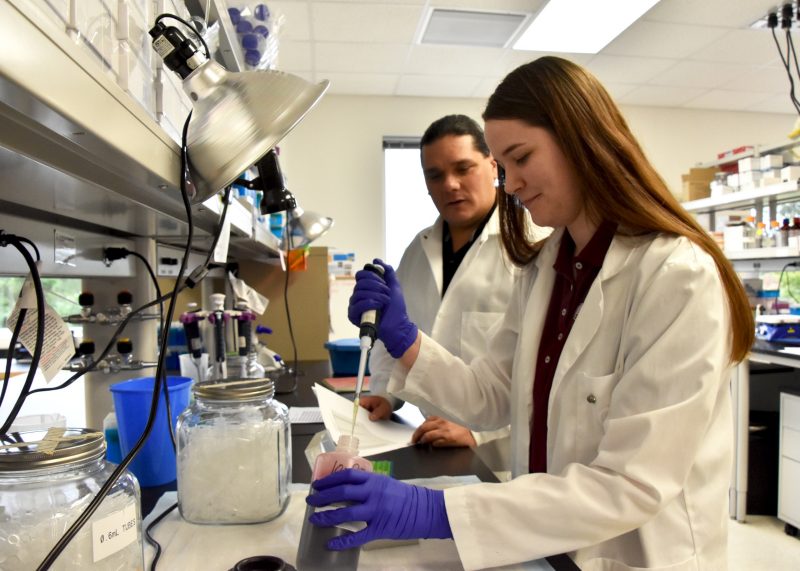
<point>786,60</point>
<point>6,239</point>
<point>195,31</point>
<point>10,358</point>
<point>294,372</point>
<point>118,471</point>
<point>32,245</point>
<point>151,540</point>
<point>150,271</point>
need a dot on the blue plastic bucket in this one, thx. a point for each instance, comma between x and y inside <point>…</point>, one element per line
<point>154,465</point>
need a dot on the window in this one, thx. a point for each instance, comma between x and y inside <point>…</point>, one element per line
<point>407,206</point>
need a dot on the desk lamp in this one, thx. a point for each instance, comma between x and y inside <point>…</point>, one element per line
<point>237,116</point>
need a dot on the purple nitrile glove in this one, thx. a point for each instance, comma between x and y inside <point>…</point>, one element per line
<point>391,509</point>
<point>372,291</point>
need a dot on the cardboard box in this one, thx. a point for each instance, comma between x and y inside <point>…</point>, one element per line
<point>696,183</point>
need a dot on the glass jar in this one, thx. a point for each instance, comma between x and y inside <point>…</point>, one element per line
<point>234,453</point>
<point>46,481</point>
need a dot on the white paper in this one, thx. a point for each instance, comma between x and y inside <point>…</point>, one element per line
<point>256,302</point>
<point>791,350</point>
<point>374,437</point>
<point>305,415</point>
<point>58,347</point>
<point>114,532</point>
<point>221,250</point>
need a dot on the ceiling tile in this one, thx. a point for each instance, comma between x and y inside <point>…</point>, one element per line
<point>661,95</point>
<point>767,78</point>
<point>361,83</point>
<point>776,104</point>
<point>376,23</point>
<point>512,59</point>
<point>722,13</point>
<point>618,90</point>
<point>486,87</point>
<point>437,86</point>
<point>295,24</point>
<point>656,39</point>
<point>353,58</point>
<point>740,46</point>
<point>627,69</point>
<point>294,56</point>
<point>731,100</point>
<point>689,73</point>
<point>450,60</point>
<point>520,6</point>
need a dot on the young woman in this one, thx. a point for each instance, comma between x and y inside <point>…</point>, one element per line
<point>612,361</point>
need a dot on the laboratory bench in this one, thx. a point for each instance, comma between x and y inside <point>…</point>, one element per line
<point>407,463</point>
<point>763,356</point>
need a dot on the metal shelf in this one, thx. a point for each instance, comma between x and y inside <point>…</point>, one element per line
<point>757,151</point>
<point>763,253</point>
<point>58,108</point>
<point>783,191</point>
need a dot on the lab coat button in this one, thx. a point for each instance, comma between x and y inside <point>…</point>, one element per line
<point>591,399</point>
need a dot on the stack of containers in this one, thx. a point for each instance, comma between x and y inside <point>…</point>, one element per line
<point>757,172</point>
<point>114,34</point>
<point>136,73</point>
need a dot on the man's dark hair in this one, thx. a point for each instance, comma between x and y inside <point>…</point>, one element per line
<point>456,125</point>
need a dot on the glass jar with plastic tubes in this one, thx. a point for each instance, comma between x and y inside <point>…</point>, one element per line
<point>234,453</point>
<point>47,478</point>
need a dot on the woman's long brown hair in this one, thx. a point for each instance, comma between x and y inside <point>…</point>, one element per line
<point>618,182</point>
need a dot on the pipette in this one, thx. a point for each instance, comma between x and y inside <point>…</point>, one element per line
<point>368,332</point>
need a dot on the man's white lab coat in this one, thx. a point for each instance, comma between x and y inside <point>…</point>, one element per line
<point>639,419</point>
<point>474,302</point>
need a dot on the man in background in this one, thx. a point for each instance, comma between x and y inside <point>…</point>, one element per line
<point>455,277</point>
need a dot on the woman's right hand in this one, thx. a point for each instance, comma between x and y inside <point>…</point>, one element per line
<point>372,291</point>
<point>379,408</point>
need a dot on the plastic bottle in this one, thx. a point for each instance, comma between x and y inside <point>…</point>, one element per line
<point>761,235</point>
<point>749,240</point>
<point>312,552</point>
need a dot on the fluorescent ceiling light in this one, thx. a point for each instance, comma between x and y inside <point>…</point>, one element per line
<point>580,26</point>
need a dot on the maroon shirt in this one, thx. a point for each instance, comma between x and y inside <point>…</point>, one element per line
<point>574,277</point>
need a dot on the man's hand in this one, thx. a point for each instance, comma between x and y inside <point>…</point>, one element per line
<point>441,433</point>
<point>379,408</point>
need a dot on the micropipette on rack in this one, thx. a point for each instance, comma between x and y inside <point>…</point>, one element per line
<point>368,332</point>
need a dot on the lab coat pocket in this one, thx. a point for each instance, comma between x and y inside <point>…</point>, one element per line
<point>476,330</point>
<point>593,397</point>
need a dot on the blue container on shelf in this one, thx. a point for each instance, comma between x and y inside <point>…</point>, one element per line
<point>344,355</point>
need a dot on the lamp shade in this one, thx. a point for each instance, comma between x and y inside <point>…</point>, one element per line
<point>305,227</point>
<point>237,117</point>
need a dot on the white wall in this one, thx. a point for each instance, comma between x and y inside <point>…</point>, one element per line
<point>333,160</point>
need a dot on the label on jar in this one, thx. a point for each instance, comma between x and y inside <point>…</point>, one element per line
<point>114,532</point>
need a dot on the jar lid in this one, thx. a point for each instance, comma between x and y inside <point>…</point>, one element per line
<point>32,450</point>
<point>235,389</point>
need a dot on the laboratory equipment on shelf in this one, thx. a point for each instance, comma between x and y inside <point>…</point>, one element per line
<point>312,551</point>
<point>122,360</point>
<point>227,132</point>
<point>218,318</point>
<point>46,481</point>
<point>234,453</point>
<point>111,316</point>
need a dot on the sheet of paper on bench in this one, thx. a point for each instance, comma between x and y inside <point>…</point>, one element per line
<point>373,437</point>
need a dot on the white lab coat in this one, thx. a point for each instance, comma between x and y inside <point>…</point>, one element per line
<point>639,419</point>
<point>474,302</point>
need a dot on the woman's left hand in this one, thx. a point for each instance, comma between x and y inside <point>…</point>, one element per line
<point>439,432</point>
<point>391,509</point>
